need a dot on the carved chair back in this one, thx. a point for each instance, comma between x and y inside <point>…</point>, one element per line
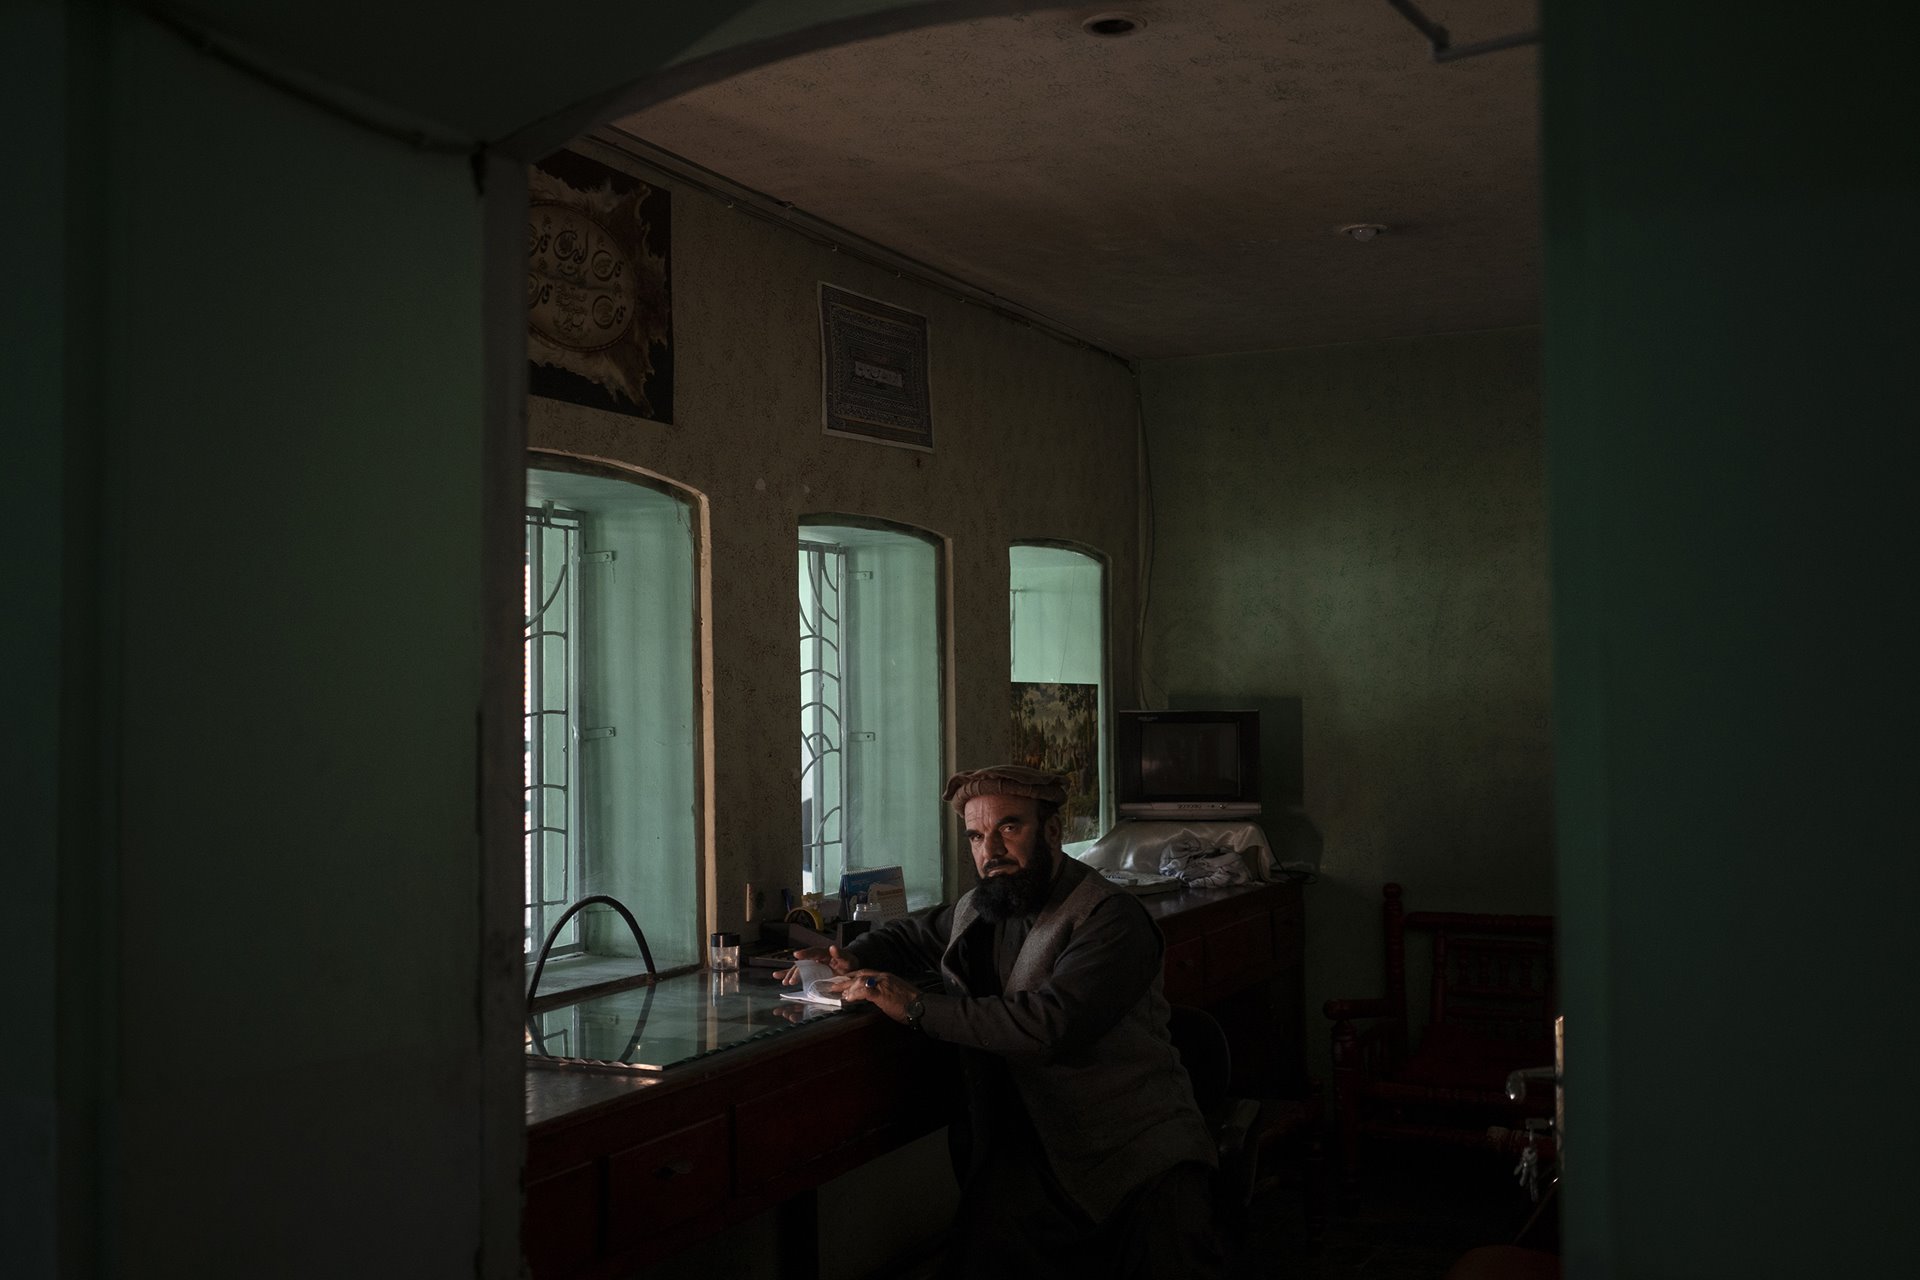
<point>1492,976</point>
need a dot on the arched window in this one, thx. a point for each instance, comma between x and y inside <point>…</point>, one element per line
<point>612,706</point>
<point>1056,623</point>
<point>870,738</point>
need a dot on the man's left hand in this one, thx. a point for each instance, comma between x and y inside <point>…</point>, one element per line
<point>890,993</point>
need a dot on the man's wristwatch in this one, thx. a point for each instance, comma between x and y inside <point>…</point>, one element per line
<point>916,1009</point>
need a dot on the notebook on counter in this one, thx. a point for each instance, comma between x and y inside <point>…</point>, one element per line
<point>815,978</point>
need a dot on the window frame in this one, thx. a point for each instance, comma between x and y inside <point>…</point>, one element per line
<point>1107,705</point>
<point>942,549</point>
<point>698,508</point>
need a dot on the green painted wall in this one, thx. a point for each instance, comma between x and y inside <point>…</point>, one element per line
<point>1730,343</point>
<point>273,1032</point>
<point>1363,528</point>
<point>297,873</point>
<point>47,431</point>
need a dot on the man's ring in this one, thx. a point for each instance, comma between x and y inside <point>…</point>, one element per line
<point>872,982</point>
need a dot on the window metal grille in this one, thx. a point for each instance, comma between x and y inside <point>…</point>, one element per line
<point>550,695</point>
<point>823,712</point>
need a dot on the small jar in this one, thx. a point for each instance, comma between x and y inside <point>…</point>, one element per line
<point>723,953</point>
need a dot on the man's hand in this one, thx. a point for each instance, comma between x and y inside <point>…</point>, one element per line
<point>890,993</point>
<point>829,956</point>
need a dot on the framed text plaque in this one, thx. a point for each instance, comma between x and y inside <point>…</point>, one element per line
<point>873,361</point>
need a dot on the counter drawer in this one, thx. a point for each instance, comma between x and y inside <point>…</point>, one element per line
<point>782,1132</point>
<point>665,1182</point>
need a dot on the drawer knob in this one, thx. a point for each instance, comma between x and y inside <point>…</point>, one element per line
<point>673,1169</point>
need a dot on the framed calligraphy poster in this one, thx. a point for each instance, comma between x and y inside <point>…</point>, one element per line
<point>599,305</point>
<point>873,364</point>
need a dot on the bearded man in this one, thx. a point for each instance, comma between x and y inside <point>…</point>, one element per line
<point>1087,1154</point>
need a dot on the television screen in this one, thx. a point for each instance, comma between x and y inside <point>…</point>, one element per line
<point>1187,764</point>
<point>1190,759</point>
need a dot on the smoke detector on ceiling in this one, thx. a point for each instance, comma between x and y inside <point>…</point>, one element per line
<point>1363,231</point>
<point>1111,24</point>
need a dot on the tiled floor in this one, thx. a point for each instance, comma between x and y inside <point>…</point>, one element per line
<point>1410,1218</point>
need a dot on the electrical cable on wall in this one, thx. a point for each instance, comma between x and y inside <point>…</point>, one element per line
<point>332,103</point>
<point>1143,570</point>
<point>1440,40</point>
<point>687,174</point>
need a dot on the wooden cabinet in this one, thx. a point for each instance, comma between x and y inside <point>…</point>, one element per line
<point>1238,954</point>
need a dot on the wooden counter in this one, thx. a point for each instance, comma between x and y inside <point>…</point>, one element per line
<point>627,1168</point>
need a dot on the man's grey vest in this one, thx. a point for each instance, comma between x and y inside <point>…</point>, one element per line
<point>1115,1111</point>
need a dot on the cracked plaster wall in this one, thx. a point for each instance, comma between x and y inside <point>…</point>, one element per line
<point>1034,438</point>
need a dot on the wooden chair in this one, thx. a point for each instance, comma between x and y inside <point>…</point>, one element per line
<point>1492,1009</point>
<point>1250,1133</point>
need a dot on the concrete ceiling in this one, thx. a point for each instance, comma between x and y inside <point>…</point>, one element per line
<point>1176,191</point>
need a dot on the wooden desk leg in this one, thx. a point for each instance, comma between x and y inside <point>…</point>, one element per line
<point>797,1225</point>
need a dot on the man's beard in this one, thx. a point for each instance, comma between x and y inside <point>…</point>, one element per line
<point>1018,893</point>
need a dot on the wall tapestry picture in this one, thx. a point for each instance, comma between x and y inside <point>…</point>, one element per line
<point>1057,726</point>
<point>599,313</point>
<point>873,360</point>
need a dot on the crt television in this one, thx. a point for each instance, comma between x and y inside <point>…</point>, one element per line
<point>1187,764</point>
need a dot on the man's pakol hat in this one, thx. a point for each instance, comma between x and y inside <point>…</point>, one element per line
<point>1005,780</point>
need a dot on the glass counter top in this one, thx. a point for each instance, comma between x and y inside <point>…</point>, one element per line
<point>654,1028</point>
